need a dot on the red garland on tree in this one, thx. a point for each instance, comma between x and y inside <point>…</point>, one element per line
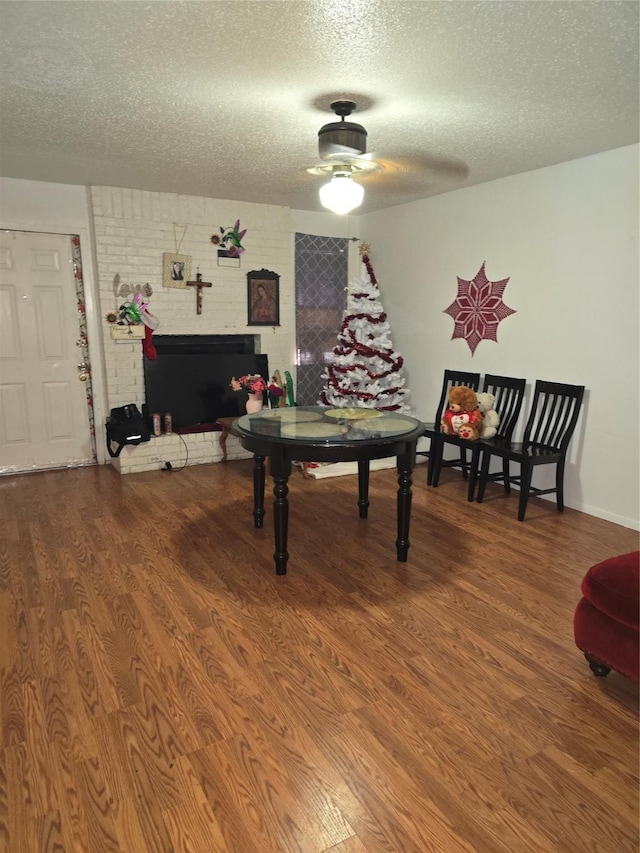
<point>365,370</point>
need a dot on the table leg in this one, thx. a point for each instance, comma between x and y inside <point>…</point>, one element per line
<point>280,468</point>
<point>405,467</point>
<point>223,443</point>
<point>258,490</point>
<point>363,488</point>
<point>281,522</point>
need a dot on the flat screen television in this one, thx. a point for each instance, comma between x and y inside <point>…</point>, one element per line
<point>190,380</point>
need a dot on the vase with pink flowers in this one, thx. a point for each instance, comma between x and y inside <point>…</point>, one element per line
<point>255,386</point>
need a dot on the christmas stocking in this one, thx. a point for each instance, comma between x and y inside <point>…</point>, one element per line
<point>151,323</point>
<point>147,344</point>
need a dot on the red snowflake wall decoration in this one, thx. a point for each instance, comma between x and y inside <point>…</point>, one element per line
<point>478,308</point>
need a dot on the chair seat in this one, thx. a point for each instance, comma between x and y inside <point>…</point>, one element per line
<point>516,449</point>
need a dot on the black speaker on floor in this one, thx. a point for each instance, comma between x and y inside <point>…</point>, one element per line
<point>125,426</point>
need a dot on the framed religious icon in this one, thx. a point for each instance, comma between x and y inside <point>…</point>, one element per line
<point>263,298</point>
<point>176,270</point>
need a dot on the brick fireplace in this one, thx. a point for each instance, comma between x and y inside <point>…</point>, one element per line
<point>133,229</point>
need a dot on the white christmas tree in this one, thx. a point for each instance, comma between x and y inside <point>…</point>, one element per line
<point>365,371</point>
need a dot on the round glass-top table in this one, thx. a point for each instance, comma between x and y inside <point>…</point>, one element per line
<point>326,434</point>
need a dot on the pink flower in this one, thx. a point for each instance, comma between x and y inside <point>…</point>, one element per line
<point>253,383</point>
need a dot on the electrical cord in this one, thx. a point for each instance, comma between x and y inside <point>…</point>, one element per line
<point>167,466</point>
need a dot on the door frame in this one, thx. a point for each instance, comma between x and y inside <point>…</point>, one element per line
<point>92,306</point>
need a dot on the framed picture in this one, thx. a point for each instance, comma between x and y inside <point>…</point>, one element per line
<point>263,298</point>
<point>176,270</point>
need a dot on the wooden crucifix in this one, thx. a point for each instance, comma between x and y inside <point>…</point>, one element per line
<point>199,284</point>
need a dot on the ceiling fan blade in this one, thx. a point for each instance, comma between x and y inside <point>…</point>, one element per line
<point>419,168</point>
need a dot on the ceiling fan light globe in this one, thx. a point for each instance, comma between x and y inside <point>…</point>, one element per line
<point>341,194</point>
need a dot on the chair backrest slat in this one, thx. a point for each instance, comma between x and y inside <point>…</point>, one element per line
<point>509,394</point>
<point>554,414</point>
<point>560,420</point>
<point>542,430</point>
<point>453,378</point>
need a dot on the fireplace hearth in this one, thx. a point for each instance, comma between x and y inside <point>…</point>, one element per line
<point>190,378</point>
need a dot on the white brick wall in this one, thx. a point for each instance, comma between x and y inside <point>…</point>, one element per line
<point>193,449</point>
<point>132,231</point>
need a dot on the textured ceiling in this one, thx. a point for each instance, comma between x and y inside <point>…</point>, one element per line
<point>225,99</point>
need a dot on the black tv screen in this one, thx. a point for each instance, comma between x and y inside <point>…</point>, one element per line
<point>194,387</point>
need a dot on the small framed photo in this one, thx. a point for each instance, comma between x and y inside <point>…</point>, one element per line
<point>263,298</point>
<point>176,270</point>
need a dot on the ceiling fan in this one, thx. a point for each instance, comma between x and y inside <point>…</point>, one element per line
<point>342,147</point>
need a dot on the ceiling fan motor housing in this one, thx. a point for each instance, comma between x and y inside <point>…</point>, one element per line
<point>340,135</point>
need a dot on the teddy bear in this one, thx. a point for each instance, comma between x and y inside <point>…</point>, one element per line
<point>470,432</point>
<point>491,419</point>
<point>462,417</point>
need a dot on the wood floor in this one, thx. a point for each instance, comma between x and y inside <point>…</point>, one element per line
<point>161,689</point>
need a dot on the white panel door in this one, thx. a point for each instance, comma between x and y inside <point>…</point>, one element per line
<point>44,419</point>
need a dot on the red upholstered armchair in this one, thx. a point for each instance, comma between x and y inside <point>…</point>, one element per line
<point>606,618</point>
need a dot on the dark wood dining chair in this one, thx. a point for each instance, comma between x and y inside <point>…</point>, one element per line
<point>509,394</point>
<point>552,421</point>
<point>451,379</point>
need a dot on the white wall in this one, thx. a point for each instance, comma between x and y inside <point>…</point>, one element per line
<point>63,209</point>
<point>55,206</point>
<point>567,239</point>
